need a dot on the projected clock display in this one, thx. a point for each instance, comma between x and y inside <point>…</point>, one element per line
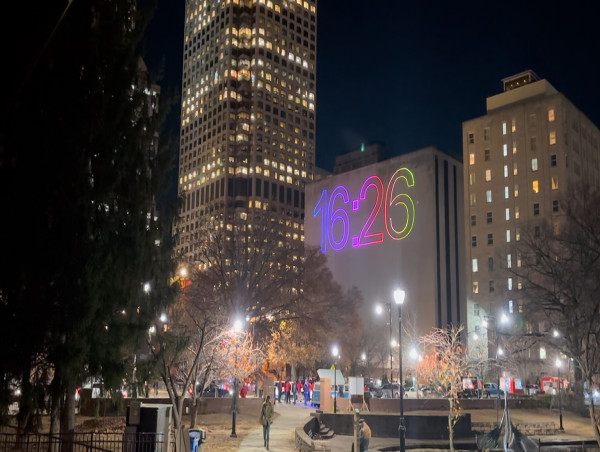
<point>381,210</point>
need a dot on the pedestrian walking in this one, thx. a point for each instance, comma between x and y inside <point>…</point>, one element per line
<point>364,436</point>
<point>266,419</point>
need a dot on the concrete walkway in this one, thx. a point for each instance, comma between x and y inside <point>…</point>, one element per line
<point>287,418</point>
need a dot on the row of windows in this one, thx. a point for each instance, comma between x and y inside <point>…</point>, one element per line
<point>513,128</point>
<point>492,286</point>
<point>535,188</point>
<point>487,154</point>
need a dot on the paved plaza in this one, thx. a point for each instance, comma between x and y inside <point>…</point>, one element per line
<point>576,428</point>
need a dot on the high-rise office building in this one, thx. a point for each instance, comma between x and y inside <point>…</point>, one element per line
<point>247,143</point>
<point>519,160</point>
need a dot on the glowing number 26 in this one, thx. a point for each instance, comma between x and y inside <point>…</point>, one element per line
<point>333,217</point>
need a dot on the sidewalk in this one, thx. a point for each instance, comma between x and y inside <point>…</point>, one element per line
<point>288,417</point>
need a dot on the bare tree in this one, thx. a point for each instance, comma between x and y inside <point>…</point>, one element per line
<point>558,265</point>
<point>444,364</point>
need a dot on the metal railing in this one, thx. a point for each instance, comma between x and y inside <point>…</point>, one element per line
<point>83,442</point>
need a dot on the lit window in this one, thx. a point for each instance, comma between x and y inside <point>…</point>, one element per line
<point>515,170</point>
<point>514,146</point>
<point>508,261</point>
<point>505,170</point>
<point>475,287</point>
<point>508,236</point>
<point>518,260</point>
<point>474,265</point>
<point>542,353</point>
<point>534,164</point>
<point>471,178</point>
<point>516,190</point>
<point>518,237</point>
<point>488,196</point>
<point>506,192</point>
<point>552,137</point>
<point>535,186</point>
<point>504,128</point>
<point>516,212</point>
<point>509,283</point>
<point>551,115</point>
<point>472,158</point>
<point>505,149</point>
<point>514,125</point>
<point>507,213</point>
<point>488,175</point>
<point>472,199</point>
<point>554,182</point>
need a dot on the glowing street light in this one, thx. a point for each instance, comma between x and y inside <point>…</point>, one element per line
<point>237,328</point>
<point>335,352</point>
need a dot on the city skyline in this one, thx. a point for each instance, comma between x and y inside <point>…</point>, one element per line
<point>416,72</point>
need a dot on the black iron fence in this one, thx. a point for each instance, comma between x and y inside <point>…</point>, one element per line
<point>83,442</point>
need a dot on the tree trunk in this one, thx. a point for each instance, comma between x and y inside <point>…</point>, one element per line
<point>55,409</point>
<point>450,425</point>
<point>194,403</point>
<point>68,419</point>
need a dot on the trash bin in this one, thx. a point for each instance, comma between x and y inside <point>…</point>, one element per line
<point>197,437</point>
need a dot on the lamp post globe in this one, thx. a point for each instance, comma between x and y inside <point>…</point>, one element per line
<point>335,352</point>
<point>237,328</point>
<point>560,414</point>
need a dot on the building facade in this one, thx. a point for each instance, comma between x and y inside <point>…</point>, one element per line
<point>396,224</point>
<point>357,158</point>
<point>247,114</point>
<point>519,159</point>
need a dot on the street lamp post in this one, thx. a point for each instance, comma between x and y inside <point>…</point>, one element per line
<point>560,425</point>
<point>379,311</point>
<point>237,327</point>
<point>335,351</point>
<point>399,299</point>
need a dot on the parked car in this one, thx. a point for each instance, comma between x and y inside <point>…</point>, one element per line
<point>212,390</point>
<point>468,393</point>
<point>390,390</point>
<point>492,390</point>
<point>532,389</point>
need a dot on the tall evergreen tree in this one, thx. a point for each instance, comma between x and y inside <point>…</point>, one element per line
<point>79,175</point>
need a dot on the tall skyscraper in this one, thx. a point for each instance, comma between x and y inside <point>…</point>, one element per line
<point>247,143</point>
<point>519,160</point>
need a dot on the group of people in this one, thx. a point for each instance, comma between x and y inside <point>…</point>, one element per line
<point>295,391</point>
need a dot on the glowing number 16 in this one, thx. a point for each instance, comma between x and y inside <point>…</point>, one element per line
<point>331,216</point>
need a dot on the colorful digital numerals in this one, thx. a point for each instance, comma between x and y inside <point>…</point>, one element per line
<point>335,221</point>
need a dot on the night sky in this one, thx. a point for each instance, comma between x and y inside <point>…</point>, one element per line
<point>409,73</point>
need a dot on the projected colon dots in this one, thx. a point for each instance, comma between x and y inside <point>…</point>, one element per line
<point>378,213</point>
